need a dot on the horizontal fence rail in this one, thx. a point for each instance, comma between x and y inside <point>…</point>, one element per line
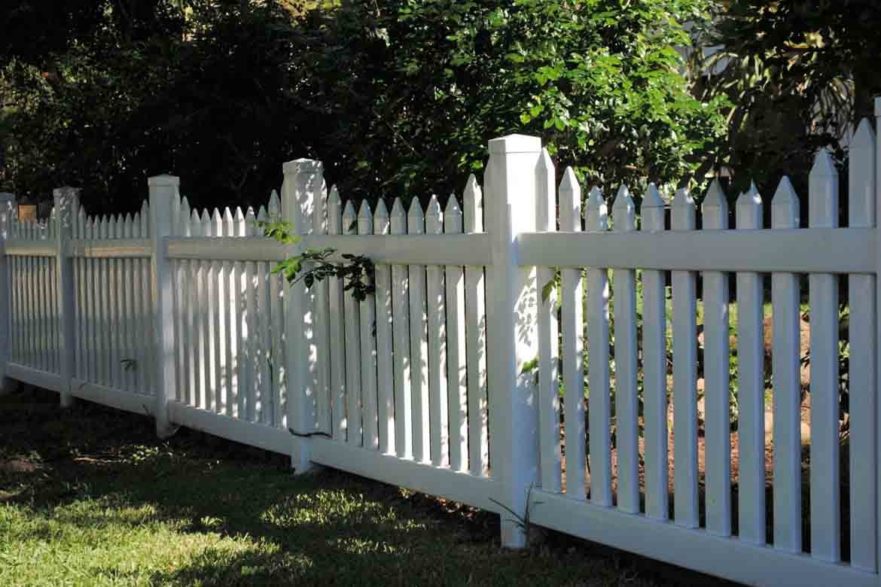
<point>672,378</point>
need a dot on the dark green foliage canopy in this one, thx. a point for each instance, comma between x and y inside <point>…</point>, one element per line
<point>798,74</point>
<point>397,97</point>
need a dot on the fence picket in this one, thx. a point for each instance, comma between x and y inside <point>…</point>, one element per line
<point>139,312</point>
<point>750,384</point>
<point>105,326</point>
<point>129,312</point>
<point>276,320</point>
<point>572,321</point>
<point>237,284</point>
<point>572,330</point>
<point>92,306</point>
<point>436,307</point>
<point>190,301</point>
<point>148,349</point>
<point>33,310</point>
<point>598,376</point>
<point>654,350</point>
<point>218,335</point>
<point>384,360</point>
<point>862,372</point>
<point>786,352</point>
<point>337,333</point>
<point>352,322</point>
<point>114,284</point>
<point>548,333</point>
<point>457,385</point>
<point>201,320</point>
<point>823,301</point>
<point>685,505</point>
<point>79,278</point>
<point>228,320</point>
<point>368,349</point>
<point>475,338</point>
<point>716,379</point>
<point>401,335</point>
<point>321,309</point>
<point>626,399</point>
<point>250,334</point>
<point>265,388</point>
<point>418,342</point>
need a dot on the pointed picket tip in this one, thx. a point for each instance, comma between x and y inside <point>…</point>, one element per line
<point>595,198</point>
<point>364,211</point>
<point>262,215</point>
<point>472,190</point>
<point>227,214</point>
<point>145,206</point>
<point>239,214</point>
<point>623,212</point>
<point>397,209</point>
<point>569,184</point>
<point>349,210</point>
<point>785,194</point>
<point>823,165</point>
<point>381,210</point>
<point>623,200</point>
<point>785,205</point>
<point>434,208</point>
<point>750,198</point>
<point>452,208</point>
<point>415,209</point>
<point>682,199</point>
<point>274,202</point>
<point>544,161</point>
<point>216,217</point>
<point>205,216</point>
<point>194,216</point>
<point>334,198</point>
<point>652,198</point>
<point>715,198</point>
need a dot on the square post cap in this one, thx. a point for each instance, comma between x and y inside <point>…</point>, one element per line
<point>163,181</point>
<point>515,144</point>
<point>65,191</point>
<point>301,165</point>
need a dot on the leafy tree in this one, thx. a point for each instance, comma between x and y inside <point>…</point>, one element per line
<point>398,97</point>
<point>202,90</point>
<point>411,90</point>
<point>797,73</point>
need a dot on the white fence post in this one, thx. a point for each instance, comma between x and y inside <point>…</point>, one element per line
<point>163,193</point>
<point>512,328</point>
<point>302,186</point>
<point>66,208</point>
<point>7,201</point>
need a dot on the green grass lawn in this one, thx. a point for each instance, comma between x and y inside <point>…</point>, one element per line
<point>90,496</point>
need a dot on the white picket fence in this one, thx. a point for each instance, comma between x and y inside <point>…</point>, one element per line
<point>463,375</point>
